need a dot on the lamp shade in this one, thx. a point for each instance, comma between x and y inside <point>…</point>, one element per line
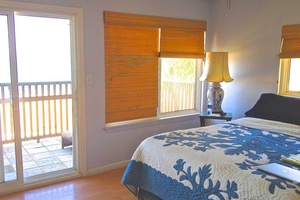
<point>216,67</point>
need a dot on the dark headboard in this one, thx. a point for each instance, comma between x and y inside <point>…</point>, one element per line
<point>278,108</point>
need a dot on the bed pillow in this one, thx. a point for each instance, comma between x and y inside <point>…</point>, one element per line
<point>278,108</point>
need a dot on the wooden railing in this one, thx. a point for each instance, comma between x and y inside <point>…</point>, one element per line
<point>171,91</point>
<point>45,110</point>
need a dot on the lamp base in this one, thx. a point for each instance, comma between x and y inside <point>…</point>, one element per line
<point>215,95</point>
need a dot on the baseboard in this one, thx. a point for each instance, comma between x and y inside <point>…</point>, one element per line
<point>106,168</point>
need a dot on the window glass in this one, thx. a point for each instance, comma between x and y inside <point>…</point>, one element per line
<point>43,47</point>
<point>4,51</point>
<point>178,84</point>
<point>294,81</point>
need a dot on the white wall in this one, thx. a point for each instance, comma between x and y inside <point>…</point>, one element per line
<point>251,32</point>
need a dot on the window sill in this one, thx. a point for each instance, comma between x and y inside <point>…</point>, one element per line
<point>140,123</point>
<point>290,94</point>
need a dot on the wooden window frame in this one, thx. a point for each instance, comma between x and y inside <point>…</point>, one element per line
<point>290,48</point>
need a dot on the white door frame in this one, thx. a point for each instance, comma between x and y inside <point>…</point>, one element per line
<point>78,82</point>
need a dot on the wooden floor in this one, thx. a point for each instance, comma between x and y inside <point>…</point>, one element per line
<point>104,186</point>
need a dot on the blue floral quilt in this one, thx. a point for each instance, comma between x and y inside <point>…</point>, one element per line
<point>216,162</point>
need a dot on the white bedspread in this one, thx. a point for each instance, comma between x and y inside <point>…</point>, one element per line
<point>216,162</point>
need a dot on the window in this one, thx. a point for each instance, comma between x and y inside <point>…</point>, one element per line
<point>179,84</point>
<point>289,82</point>
<point>134,45</point>
<point>289,70</point>
<point>294,81</point>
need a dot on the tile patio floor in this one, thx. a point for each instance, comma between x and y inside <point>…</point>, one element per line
<point>38,157</point>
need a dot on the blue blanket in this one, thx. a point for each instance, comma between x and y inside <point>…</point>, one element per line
<point>216,162</point>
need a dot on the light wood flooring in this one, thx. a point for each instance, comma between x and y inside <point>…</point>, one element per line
<point>104,186</point>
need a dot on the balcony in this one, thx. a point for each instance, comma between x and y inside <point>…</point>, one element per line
<point>45,110</point>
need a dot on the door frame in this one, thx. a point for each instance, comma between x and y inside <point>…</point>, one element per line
<point>78,84</point>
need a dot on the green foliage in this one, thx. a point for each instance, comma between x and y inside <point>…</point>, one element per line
<point>178,69</point>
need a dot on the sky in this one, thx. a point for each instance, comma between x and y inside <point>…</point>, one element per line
<point>294,75</point>
<point>43,49</point>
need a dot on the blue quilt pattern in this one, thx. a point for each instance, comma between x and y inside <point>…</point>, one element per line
<point>167,188</point>
<point>234,140</point>
<point>204,175</point>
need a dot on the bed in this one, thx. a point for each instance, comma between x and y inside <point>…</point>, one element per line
<point>220,161</point>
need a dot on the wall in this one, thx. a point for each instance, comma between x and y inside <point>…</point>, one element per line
<point>251,32</point>
<point>104,148</point>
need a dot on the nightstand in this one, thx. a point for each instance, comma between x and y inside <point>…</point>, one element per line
<point>204,115</point>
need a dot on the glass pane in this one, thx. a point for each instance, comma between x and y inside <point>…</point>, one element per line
<point>44,74</point>
<point>7,143</point>
<point>43,48</point>
<point>294,82</point>
<point>178,78</point>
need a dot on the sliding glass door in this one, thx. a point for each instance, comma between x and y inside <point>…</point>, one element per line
<point>36,96</point>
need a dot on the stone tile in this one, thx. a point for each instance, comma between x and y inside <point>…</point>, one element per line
<point>30,164</point>
<point>38,158</point>
<point>47,161</point>
<point>7,148</point>
<point>63,158</point>
<point>29,145</point>
<point>6,161</point>
<point>41,155</point>
<point>62,151</point>
<point>53,147</point>
<point>51,141</point>
<point>10,155</point>
<point>11,158</point>
<point>53,167</point>
<point>24,151</point>
<point>68,164</point>
<point>27,158</point>
<point>33,172</point>
<point>10,176</point>
<point>37,150</point>
<point>29,142</point>
<point>8,169</point>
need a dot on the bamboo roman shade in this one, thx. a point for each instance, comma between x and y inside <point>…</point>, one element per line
<point>182,43</point>
<point>132,45</point>
<point>290,47</point>
<point>131,73</point>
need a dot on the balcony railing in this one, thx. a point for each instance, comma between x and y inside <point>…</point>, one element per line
<point>45,110</point>
<point>171,90</point>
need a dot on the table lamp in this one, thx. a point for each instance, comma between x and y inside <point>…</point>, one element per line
<point>216,71</point>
